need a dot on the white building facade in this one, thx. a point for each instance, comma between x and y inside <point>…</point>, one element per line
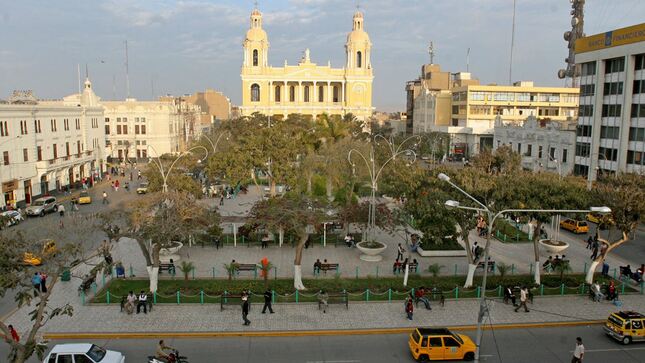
<point>139,129</point>
<point>544,146</point>
<point>611,126</point>
<point>49,145</point>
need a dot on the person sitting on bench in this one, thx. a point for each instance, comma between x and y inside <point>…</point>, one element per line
<point>142,302</point>
<point>597,295</point>
<point>419,295</point>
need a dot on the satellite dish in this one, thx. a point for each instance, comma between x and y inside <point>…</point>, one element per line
<point>567,35</point>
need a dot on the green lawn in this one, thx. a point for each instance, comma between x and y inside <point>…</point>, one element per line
<point>507,232</point>
<point>383,289</point>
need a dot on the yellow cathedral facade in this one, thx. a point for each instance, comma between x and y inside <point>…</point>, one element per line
<point>306,88</point>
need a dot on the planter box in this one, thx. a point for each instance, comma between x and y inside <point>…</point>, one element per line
<point>441,253</point>
<point>553,249</point>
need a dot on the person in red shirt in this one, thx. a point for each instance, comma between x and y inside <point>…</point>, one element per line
<point>14,334</point>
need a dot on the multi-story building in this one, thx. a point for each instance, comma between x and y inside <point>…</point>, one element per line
<point>428,99</point>
<point>544,145</point>
<point>611,126</point>
<point>475,107</point>
<point>48,145</point>
<point>138,129</point>
<point>214,105</point>
<point>306,88</point>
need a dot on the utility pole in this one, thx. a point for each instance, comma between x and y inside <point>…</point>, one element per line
<point>510,63</point>
<point>570,36</point>
<point>127,72</point>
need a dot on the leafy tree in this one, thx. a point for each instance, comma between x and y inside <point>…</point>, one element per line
<point>163,218</point>
<point>502,160</point>
<point>527,190</point>
<point>16,276</point>
<point>291,212</point>
<point>625,195</point>
<point>176,181</point>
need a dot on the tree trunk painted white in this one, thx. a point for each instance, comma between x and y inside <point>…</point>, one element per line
<point>471,274</point>
<point>297,278</point>
<point>153,274</point>
<point>536,273</point>
<point>592,270</point>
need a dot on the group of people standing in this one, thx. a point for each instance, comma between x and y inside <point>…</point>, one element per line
<point>39,281</point>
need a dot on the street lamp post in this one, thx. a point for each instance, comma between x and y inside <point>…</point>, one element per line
<point>214,144</point>
<point>483,310</point>
<point>376,173</point>
<point>164,173</point>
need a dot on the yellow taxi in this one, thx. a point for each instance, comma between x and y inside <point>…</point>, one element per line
<point>440,344</point>
<point>575,226</point>
<point>84,198</point>
<point>49,248</point>
<point>626,326</point>
<point>597,218</point>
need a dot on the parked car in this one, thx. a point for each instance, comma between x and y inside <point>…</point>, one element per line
<point>143,188</point>
<point>626,326</point>
<point>41,206</point>
<point>32,259</point>
<point>440,344</point>
<point>83,352</point>
<point>574,226</point>
<point>597,218</point>
<point>11,217</point>
<point>84,198</point>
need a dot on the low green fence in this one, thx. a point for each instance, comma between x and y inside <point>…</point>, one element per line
<point>366,295</point>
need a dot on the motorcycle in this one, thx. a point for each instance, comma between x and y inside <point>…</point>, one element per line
<point>174,358</point>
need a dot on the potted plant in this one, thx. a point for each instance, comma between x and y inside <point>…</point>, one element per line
<point>371,250</point>
<point>553,246</point>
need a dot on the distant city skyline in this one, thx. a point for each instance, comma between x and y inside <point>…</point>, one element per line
<point>180,47</point>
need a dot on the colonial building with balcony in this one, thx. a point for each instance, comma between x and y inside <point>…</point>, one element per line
<point>48,145</point>
<point>543,145</point>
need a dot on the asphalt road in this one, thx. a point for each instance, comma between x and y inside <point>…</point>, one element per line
<point>38,227</point>
<point>505,345</point>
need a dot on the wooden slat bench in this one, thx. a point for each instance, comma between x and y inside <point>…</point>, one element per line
<point>340,298</point>
<point>490,265</point>
<point>329,266</point>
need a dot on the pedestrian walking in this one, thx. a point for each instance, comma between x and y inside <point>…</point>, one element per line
<point>578,352</point>
<point>143,298</point>
<point>589,242</point>
<point>409,308</point>
<point>105,198</point>
<point>61,210</point>
<point>35,280</point>
<point>323,300</point>
<point>245,309</point>
<point>43,282</point>
<point>221,199</point>
<point>594,252</point>
<point>524,295</point>
<point>399,252</point>
<point>139,175</point>
<point>116,185</point>
<point>268,296</point>
<point>14,334</point>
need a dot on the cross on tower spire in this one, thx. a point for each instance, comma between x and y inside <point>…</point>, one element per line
<point>256,3</point>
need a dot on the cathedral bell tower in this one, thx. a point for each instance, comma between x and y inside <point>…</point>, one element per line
<point>256,44</point>
<point>358,48</point>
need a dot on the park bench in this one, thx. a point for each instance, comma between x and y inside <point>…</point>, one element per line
<point>490,265</point>
<point>86,284</point>
<point>413,266</point>
<point>232,299</point>
<point>170,267</point>
<point>329,266</point>
<point>432,295</point>
<point>340,298</point>
<point>246,267</point>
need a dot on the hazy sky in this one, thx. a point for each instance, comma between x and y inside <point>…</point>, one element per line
<point>185,46</point>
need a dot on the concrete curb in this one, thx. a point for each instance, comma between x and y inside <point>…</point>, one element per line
<point>301,333</point>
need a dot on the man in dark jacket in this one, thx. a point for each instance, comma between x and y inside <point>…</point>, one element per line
<point>267,302</point>
<point>245,309</point>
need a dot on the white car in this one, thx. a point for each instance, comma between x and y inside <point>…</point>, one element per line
<point>12,217</point>
<point>83,353</point>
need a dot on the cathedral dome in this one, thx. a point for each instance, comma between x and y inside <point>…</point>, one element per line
<point>256,35</point>
<point>358,34</point>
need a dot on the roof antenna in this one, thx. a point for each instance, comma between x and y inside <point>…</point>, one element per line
<point>431,52</point>
<point>87,74</point>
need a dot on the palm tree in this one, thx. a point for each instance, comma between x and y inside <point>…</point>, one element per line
<point>562,267</point>
<point>435,268</point>
<point>186,267</point>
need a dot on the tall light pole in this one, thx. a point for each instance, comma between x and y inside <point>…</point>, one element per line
<point>214,144</point>
<point>375,172</point>
<point>164,173</point>
<point>483,310</point>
